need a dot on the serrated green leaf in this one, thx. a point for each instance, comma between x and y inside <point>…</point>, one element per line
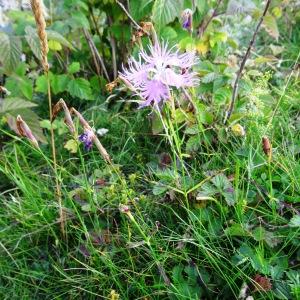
<point>80,88</point>
<point>71,145</point>
<point>168,33</point>
<point>57,37</point>
<point>41,84</point>
<point>20,86</point>
<point>165,11</point>
<point>159,189</point>
<point>59,83</point>
<point>221,95</point>
<point>74,67</point>
<point>194,129</point>
<point>193,144</point>
<point>13,103</point>
<point>10,51</point>
<point>210,77</point>
<point>79,20</point>
<point>54,45</point>
<point>236,230</point>
<point>33,41</point>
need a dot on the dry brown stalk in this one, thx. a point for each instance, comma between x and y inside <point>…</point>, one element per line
<point>61,104</point>
<point>97,142</point>
<point>37,9</point>
<point>25,131</point>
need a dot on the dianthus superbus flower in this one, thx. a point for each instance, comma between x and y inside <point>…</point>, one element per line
<point>156,72</point>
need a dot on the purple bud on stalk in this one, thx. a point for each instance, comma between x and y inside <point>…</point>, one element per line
<point>187,19</point>
<point>87,138</point>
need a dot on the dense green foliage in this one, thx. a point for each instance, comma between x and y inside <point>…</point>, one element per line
<point>194,209</point>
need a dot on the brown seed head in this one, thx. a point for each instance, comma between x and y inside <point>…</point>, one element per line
<point>37,9</point>
<point>267,147</point>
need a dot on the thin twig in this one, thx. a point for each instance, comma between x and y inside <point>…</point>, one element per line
<point>113,50</point>
<point>96,52</point>
<point>202,28</point>
<point>129,16</point>
<point>239,73</point>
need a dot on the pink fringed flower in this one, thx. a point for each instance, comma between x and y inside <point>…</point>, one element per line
<point>158,71</point>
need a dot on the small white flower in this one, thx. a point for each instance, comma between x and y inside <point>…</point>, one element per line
<point>102,131</point>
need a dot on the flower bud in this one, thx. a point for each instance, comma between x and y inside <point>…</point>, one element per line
<point>187,19</point>
<point>25,131</point>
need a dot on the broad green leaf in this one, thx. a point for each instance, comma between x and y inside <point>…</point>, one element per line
<point>181,116</point>
<point>201,5</point>
<point>57,37</point>
<point>193,144</point>
<point>10,51</point>
<point>33,41</point>
<point>41,84</point>
<point>121,32</point>
<point>236,229</point>
<point>78,20</point>
<point>140,8</point>
<point>54,45</point>
<point>20,86</point>
<point>165,11</point>
<point>210,77</point>
<point>74,67</point>
<point>159,189</point>
<point>12,104</point>
<point>221,95</point>
<point>59,83</point>
<point>168,33</point>
<point>217,37</point>
<point>26,86</point>
<point>194,129</point>
<point>71,145</point>
<point>80,88</point>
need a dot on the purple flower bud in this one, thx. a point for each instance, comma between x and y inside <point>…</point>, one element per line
<point>187,19</point>
<point>87,138</point>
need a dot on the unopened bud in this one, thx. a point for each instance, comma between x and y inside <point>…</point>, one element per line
<point>25,131</point>
<point>187,19</point>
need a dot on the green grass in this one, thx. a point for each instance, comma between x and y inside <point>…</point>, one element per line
<point>206,210</point>
<point>205,248</point>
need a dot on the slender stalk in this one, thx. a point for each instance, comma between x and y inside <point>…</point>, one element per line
<point>95,52</point>
<point>57,183</point>
<point>243,63</point>
<point>129,16</point>
<point>37,9</point>
<point>113,51</point>
<point>203,26</point>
